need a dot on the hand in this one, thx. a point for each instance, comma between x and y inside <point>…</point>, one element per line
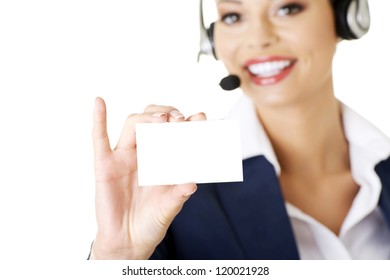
<point>132,220</point>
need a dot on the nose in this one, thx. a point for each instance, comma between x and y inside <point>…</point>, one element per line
<point>261,33</point>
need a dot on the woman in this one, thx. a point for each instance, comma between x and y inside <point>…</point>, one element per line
<point>316,175</point>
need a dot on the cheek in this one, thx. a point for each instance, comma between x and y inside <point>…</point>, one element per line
<point>322,34</point>
<point>225,47</point>
<point>316,44</point>
<point>316,32</point>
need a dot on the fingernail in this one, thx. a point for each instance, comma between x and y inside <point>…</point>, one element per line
<point>176,115</point>
<point>200,115</point>
<point>189,194</point>
<point>99,104</point>
<point>159,115</point>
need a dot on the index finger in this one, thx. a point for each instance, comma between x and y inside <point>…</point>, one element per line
<point>101,142</point>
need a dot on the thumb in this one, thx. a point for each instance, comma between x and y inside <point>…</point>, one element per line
<point>177,196</point>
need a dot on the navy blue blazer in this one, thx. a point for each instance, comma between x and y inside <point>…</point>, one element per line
<point>242,220</point>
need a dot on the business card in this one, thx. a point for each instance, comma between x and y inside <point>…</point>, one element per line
<point>188,152</point>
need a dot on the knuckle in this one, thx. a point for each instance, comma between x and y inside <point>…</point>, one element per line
<point>170,109</point>
<point>131,117</point>
<point>153,108</point>
<point>150,107</point>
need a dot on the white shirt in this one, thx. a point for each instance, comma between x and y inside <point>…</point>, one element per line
<point>364,233</point>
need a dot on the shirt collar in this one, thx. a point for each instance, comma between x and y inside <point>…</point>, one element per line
<point>367,143</point>
<point>367,147</point>
<point>254,140</point>
<point>372,144</point>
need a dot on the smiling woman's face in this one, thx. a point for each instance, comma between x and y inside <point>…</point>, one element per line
<point>282,50</point>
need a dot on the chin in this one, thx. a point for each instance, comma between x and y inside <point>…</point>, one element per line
<point>268,97</point>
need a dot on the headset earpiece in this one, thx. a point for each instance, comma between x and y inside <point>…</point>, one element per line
<point>206,36</point>
<point>352,18</point>
<point>210,36</point>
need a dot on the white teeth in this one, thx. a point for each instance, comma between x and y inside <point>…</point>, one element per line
<point>269,69</point>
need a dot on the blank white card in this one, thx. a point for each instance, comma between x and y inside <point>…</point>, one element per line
<point>198,152</point>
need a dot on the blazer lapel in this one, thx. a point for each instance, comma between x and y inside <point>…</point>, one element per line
<point>257,212</point>
<point>261,225</point>
<point>383,171</point>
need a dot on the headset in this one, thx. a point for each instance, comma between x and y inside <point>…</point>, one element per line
<point>352,20</point>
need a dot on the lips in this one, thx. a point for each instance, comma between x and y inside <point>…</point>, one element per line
<point>269,70</point>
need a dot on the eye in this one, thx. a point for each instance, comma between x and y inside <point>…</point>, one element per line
<point>230,18</point>
<point>290,9</point>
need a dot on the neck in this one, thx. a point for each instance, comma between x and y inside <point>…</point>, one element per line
<point>308,137</point>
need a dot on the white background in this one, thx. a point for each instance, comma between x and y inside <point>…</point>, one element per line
<point>57,56</point>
